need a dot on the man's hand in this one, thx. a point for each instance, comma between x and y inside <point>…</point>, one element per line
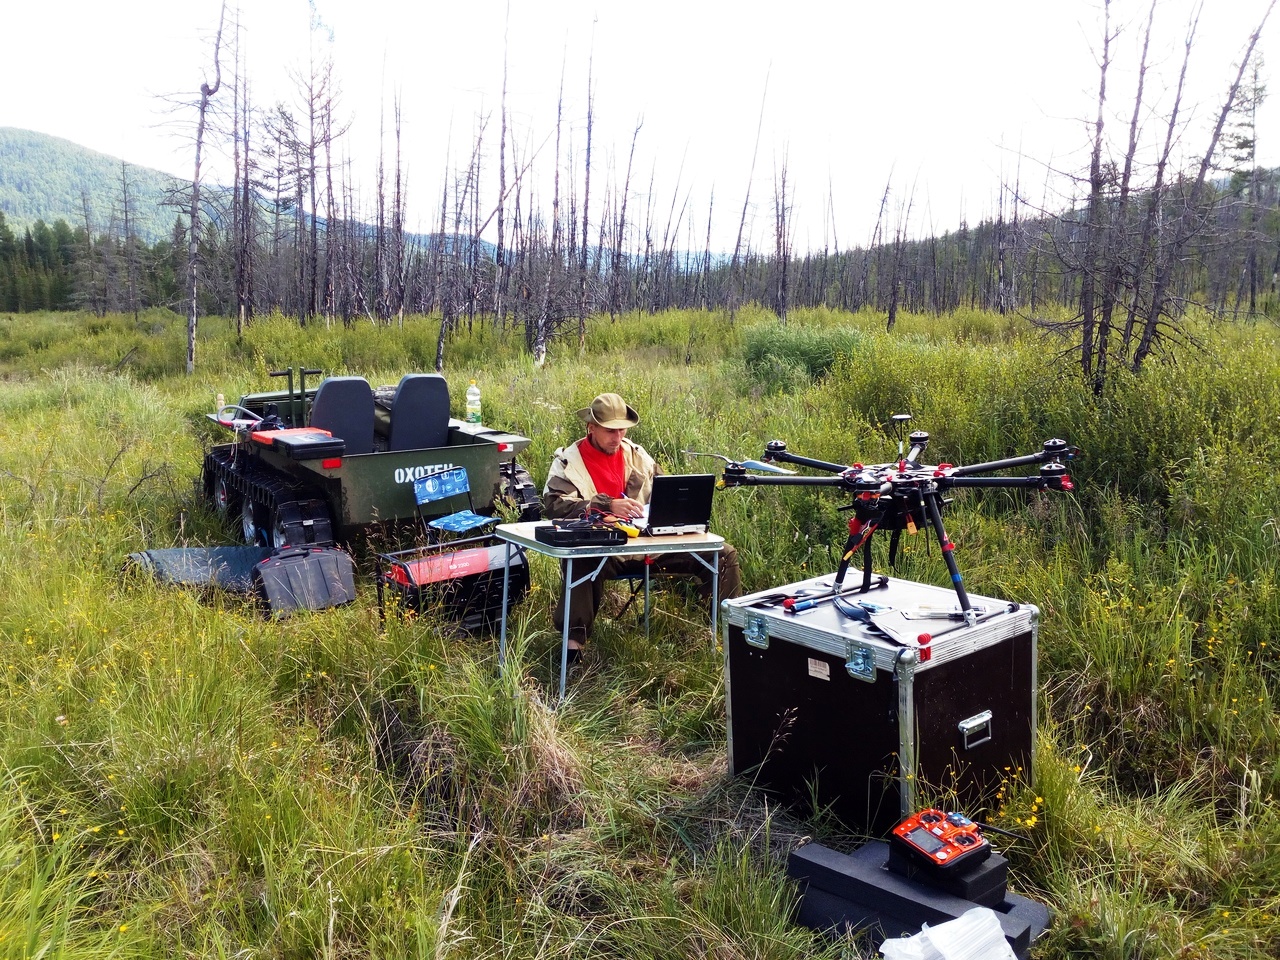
<point>626,507</point>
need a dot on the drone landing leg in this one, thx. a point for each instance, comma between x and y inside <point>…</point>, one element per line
<point>948,549</point>
<point>866,566</point>
<point>893,549</point>
<point>850,548</point>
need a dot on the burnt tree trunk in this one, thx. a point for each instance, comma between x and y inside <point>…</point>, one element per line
<point>207,93</point>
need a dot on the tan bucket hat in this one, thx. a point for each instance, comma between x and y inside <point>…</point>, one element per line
<point>609,411</point>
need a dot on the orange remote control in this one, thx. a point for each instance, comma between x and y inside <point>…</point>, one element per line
<point>944,842</point>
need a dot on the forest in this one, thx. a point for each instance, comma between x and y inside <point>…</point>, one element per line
<point>1145,231</point>
<point>1021,265</point>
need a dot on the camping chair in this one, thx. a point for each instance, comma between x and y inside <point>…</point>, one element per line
<point>446,485</point>
<point>439,568</point>
<point>637,585</point>
<point>640,586</point>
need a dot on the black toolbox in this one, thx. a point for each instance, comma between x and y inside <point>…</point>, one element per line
<point>867,704</point>
<point>304,578</point>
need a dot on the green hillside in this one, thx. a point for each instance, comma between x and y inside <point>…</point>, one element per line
<point>46,178</point>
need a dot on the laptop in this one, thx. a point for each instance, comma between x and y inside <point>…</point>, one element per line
<point>680,503</point>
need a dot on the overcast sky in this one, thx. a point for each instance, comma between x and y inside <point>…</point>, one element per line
<point>938,95</point>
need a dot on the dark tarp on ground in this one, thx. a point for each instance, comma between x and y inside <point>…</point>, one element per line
<point>230,568</point>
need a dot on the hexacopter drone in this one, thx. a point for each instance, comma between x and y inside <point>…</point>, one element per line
<point>900,495</point>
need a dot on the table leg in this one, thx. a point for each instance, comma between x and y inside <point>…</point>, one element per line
<point>647,564</point>
<point>715,595</point>
<point>714,567</point>
<point>564,632</point>
<point>569,584</point>
<point>506,587</point>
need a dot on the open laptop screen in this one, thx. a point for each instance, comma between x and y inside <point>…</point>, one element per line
<point>680,503</point>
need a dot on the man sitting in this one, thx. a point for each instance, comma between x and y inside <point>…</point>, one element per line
<point>607,472</point>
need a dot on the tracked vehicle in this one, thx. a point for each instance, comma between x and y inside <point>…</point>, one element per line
<point>319,465</point>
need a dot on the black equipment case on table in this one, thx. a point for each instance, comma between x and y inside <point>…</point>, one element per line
<point>577,533</point>
<point>855,713</point>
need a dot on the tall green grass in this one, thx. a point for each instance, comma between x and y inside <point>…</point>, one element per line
<point>184,778</point>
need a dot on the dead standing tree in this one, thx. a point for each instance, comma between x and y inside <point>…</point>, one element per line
<point>1113,270</point>
<point>207,93</point>
<point>586,205</point>
<point>737,285</point>
<point>1171,255</point>
<point>669,262</point>
<point>394,254</point>
<point>243,194</point>
<point>500,254</point>
<point>896,258</point>
<point>129,243</point>
<point>782,239</point>
<point>619,234</point>
<point>440,249</point>
<point>466,222</point>
<point>1095,230</point>
<point>862,294</point>
<point>539,333</point>
<point>1113,279</point>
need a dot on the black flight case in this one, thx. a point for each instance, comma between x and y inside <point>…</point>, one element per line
<point>874,702</point>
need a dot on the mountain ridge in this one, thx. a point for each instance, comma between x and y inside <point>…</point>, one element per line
<point>43,177</point>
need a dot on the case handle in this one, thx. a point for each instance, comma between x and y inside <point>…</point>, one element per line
<point>976,730</point>
<point>756,632</point>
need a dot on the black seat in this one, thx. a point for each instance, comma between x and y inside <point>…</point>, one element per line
<point>344,407</point>
<point>419,413</point>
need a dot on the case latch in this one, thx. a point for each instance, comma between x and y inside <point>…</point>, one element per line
<point>756,631</point>
<point>976,730</point>
<point>860,662</point>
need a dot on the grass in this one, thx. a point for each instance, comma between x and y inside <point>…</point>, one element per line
<point>183,778</point>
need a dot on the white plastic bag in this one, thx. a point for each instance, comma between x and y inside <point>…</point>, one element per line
<point>974,935</point>
<point>909,948</point>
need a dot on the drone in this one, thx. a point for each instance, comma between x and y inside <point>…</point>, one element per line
<point>900,495</point>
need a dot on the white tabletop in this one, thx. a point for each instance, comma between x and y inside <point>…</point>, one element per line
<point>523,534</point>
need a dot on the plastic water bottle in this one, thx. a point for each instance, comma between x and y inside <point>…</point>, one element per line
<point>219,402</point>
<point>473,403</point>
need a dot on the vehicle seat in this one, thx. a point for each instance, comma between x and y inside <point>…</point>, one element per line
<point>344,407</point>
<point>419,413</point>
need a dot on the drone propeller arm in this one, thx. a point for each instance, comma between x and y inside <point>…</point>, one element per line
<point>1029,483</point>
<point>1052,450</point>
<point>731,478</point>
<point>994,465</point>
<point>776,451</point>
